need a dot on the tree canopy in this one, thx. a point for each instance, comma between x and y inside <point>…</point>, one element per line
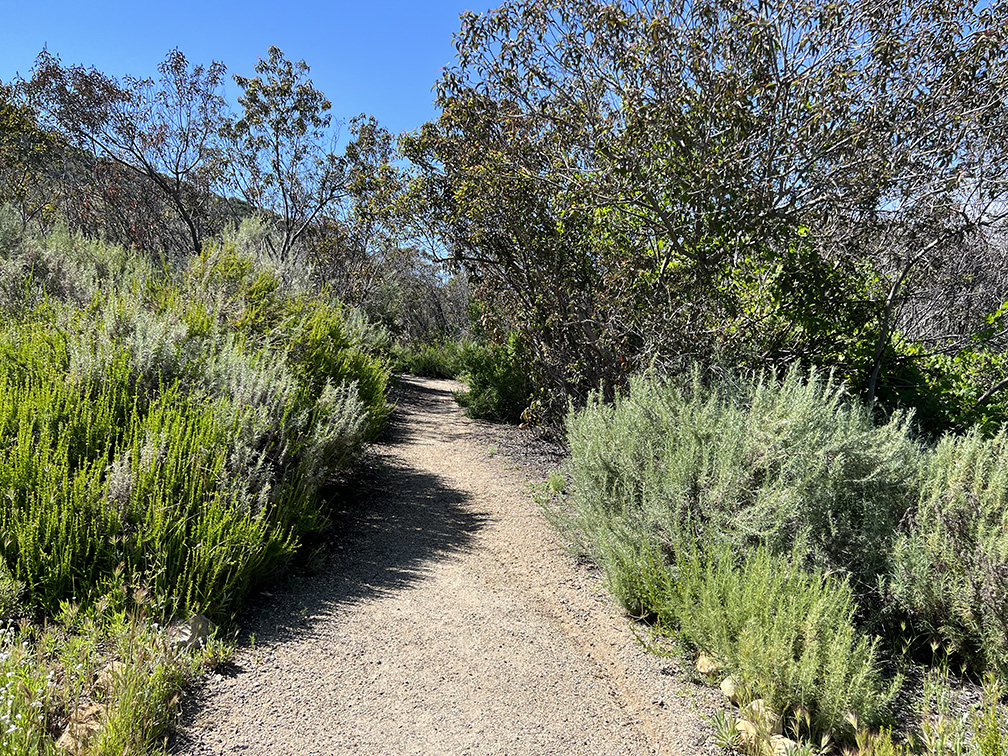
<point>725,179</point>
<point>164,131</point>
<point>281,147</point>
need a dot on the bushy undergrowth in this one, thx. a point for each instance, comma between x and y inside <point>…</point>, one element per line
<point>24,698</point>
<point>787,635</point>
<point>775,525</point>
<point>165,435</point>
<point>106,674</point>
<point>499,386</point>
<point>721,511</point>
<point>791,465</point>
<point>177,427</point>
<point>951,573</point>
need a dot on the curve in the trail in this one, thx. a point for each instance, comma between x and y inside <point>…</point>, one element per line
<point>448,621</point>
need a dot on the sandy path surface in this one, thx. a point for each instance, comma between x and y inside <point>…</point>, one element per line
<point>448,621</point>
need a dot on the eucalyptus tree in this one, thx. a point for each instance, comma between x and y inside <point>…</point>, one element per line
<point>163,132</point>
<point>769,180</point>
<point>281,148</point>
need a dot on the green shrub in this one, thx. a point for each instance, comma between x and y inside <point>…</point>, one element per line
<point>178,428</point>
<point>785,464</point>
<point>11,593</point>
<point>719,511</point>
<point>111,655</point>
<point>988,723</point>
<point>166,438</point>
<point>10,229</point>
<point>439,360</point>
<point>499,387</point>
<point>786,635</point>
<point>141,696</point>
<point>951,571</point>
<point>89,489</point>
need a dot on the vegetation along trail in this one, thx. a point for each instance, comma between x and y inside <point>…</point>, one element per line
<point>450,621</point>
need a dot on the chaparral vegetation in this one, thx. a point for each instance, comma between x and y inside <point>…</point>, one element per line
<point>749,259</point>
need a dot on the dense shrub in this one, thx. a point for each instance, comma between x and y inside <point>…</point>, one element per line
<point>499,386</point>
<point>787,635</point>
<point>951,572</point>
<point>773,524</point>
<point>789,464</point>
<point>747,517</point>
<point>174,428</point>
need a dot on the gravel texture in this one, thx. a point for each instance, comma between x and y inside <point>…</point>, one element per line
<point>445,619</point>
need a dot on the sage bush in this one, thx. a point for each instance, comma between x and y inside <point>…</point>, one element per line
<point>176,427</point>
<point>754,519</point>
<point>787,464</point>
<point>951,574</point>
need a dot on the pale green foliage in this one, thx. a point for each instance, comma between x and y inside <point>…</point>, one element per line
<point>165,434</point>
<point>725,734</point>
<point>110,656</point>
<point>157,345</point>
<point>338,420</point>
<point>556,483</point>
<point>182,427</point>
<point>252,237</point>
<point>787,464</point>
<point>10,227</point>
<point>11,593</point>
<point>788,636</point>
<point>66,267</point>
<point>142,696</point>
<point>945,727</point>
<point>675,484</point>
<point>374,337</point>
<point>439,360</point>
<point>952,565</point>
<point>771,523</point>
<point>880,744</point>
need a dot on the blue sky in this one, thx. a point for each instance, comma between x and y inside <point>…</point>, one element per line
<point>374,56</point>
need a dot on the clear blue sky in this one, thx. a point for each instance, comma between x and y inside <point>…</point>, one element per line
<point>373,56</point>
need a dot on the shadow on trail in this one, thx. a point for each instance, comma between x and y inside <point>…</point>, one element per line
<point>403,521</point>
<point>419,408</point>
<point>387,527</point>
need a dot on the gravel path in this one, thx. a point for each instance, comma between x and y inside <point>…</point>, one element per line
<point>449,621</point>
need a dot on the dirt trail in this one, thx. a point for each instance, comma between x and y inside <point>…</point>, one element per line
<point>449,622</point>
